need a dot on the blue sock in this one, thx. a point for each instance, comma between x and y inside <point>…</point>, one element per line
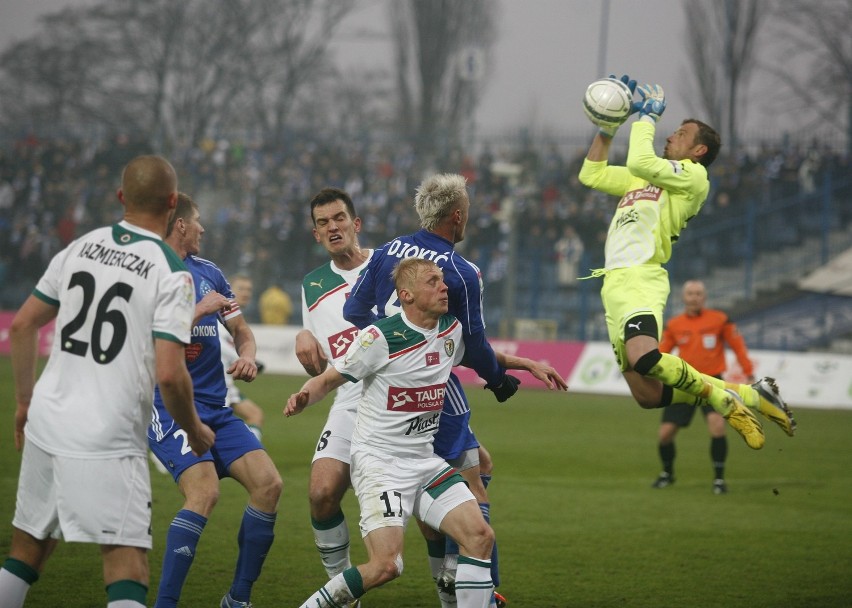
<point>451,547</point>
<point>486,479</point>
<point>485,507</point>
<point>255,539</point>
<point>181,541</point>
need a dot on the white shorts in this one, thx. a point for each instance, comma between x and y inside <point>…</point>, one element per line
<point>102,501</point>
<point>391,489</point>
<point>233,396</point>
<point>335,441</point>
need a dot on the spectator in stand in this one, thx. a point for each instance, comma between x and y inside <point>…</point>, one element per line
<point>569,250</point>
<point>275,306</point>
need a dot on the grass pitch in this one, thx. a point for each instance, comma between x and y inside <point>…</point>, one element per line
<point>576,520</point>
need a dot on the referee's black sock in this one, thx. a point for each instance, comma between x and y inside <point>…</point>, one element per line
<point>667,456</point>
<point>719,453</point>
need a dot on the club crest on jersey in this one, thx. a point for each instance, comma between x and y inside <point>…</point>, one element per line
<point>368,337</point>
<point>205,287</point>
<point>419,399</point>
<point>433,358</point>
<point>449,346</point>
<point>188,290</point>
<point>193,351</point>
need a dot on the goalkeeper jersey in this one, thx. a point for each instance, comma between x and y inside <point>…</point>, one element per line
<point>658,198</point>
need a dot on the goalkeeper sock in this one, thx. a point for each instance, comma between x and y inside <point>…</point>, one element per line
<point>681,376</point>
<point>750,397</point>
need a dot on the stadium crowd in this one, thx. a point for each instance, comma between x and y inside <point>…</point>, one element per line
<point>257,220</point>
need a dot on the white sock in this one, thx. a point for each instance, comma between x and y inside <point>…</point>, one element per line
<point>125,604</point>
<point>447,600</point>
<point>450,562</point>
<point>333,546</point>
<point>13,589</point>
<point>333,594</point>
<point>473,582</point>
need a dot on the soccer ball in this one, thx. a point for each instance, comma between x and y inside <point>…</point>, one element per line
<point>607,102</point>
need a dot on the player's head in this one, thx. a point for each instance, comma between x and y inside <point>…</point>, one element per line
<point>243,287</point>
<point>148,185</point>
<point>442,203</point>
<point>331,195</point>
<point>420,284</point>
<point>694,296</point>
<point>693,140</point>
<point>185,229</point>
<point>335,224</point>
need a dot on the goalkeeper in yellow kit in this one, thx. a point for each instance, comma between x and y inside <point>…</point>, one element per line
<point>658,196</point>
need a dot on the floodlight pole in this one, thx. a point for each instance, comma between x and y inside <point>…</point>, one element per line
<point>602,39</point>
<point>512,173</point>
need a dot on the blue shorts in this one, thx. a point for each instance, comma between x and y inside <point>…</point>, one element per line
<point>233,440</point>
<point>454,434</point>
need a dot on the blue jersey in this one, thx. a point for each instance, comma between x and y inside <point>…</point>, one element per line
<point>204,353</point>
<point>464,282</point>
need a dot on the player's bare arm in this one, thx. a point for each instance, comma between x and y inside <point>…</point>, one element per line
<point>599,150</point>
<point>23,337</point>
<point>212,302</point>
<point>245,367</point>
<point>541,371</point>
<point>314,390</point>
<point>309,353</point>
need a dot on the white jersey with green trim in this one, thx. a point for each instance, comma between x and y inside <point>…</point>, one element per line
<point>117,288</point>
<point>658,198</point>
<point>404,370</point>
<point>324,291</point>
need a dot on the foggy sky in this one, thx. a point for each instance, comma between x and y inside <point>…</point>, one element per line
<point>546,53</point>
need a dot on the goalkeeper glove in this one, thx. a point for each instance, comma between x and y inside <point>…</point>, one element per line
<point>506,388</point>
<point>653,102</point>
<point>610,130</point>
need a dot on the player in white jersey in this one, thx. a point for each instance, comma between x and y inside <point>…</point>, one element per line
<point>404,362</point>
<point>123,304</point>
<point>326,337</point>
